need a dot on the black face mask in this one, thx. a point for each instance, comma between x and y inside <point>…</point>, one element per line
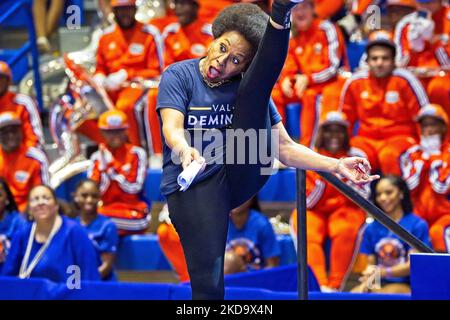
<point>128,23</point>
<point>126,26</point>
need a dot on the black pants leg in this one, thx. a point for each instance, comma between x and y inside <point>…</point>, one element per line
<point>252,112</point>
<point>200,216</point>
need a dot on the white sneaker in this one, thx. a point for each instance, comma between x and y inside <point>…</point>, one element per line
<point>43,45</point>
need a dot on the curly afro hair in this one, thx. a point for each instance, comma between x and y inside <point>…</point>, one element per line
<point>247,19</point>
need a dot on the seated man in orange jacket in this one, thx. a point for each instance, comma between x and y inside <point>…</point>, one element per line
<point>315,54</point>
<point>384,100</point>
<point>21,165</point>
<point>23,106</point>
<point>209,9</point>
<point>128,51</point>
<point>423,41</point>
<point>120,170</point>
<point>330,214</point>
<point>189,37</point>
<point>426,170</point>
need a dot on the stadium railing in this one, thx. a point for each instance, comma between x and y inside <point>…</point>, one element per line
<point>13,7</point>
<point>367,206</point>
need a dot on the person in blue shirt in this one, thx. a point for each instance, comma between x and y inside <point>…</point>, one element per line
<point>204,106</point>
<point>101,230</point>
<point>10,220</point>
<point>51,247</point>
<point>252,239</point>
<point>386,254</point>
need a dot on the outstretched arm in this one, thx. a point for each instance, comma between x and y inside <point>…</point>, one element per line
<point>296,155</point>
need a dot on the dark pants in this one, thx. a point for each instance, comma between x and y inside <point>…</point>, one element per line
<point>200,214</point>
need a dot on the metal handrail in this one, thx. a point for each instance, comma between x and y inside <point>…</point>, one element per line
<point>363,203</point>
<point>29,46</point>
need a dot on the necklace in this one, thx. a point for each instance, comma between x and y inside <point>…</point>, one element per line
<point>208,83</point>
<point>25,269</point>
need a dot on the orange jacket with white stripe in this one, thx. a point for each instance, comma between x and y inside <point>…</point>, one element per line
<point>359,7</point>
<point>316,53</point>
<point>188,42</point>
<point>122,179</point>
<point>23,169</point>
<point>384,106</point>
<point>28,114</point>
<point>435,53</point>
<point>138,51</point>
<point>428,178</point>
<point>162,22</point>
<point>325,9</point>
<point>322,196</point>
<point>209,9</point>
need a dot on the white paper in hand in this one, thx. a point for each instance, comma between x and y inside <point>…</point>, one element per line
<point>186,177</point>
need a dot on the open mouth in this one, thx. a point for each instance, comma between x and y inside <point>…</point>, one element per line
<point>213,73</point>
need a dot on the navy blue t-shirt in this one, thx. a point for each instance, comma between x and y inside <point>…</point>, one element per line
<point>388,248</point>
<point>208,112</point>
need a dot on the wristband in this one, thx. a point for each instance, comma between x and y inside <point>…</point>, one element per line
<point>281,13</point>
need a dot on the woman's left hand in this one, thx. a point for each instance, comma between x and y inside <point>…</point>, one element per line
<point>356,170</point>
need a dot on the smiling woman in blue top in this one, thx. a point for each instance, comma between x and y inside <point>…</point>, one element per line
<point>52,246</point>
<point>101,230</point>
<point>386,254</point>
<point>212,98</point>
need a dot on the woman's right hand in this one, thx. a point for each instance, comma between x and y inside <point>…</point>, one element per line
<point>187,155</point>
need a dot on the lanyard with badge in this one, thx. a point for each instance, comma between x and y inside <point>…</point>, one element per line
<point>26,271</point>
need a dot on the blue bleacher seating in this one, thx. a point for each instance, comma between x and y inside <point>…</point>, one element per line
<point>279,188</point>
<point>354,52</point>
<point>142,252</point>
<point>42,289</point>
<point>430,276</point>
<point>293,120</point>
<point>67,188</point>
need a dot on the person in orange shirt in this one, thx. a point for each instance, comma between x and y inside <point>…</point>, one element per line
<point>397,9</point>
<point>22,166</point>
<point>120,170</point>
<point>329,9</point>
<point>385,100</point>
<point>315,54</point>
<point>189,37</point>
<point>426,170</point>
<point>23,106</point>
<point>170,244</point>
<point>162,22</point>
<point>423,41</point>
<point>209,9</point>
<point>330,213</point>
<point>128,51</point>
